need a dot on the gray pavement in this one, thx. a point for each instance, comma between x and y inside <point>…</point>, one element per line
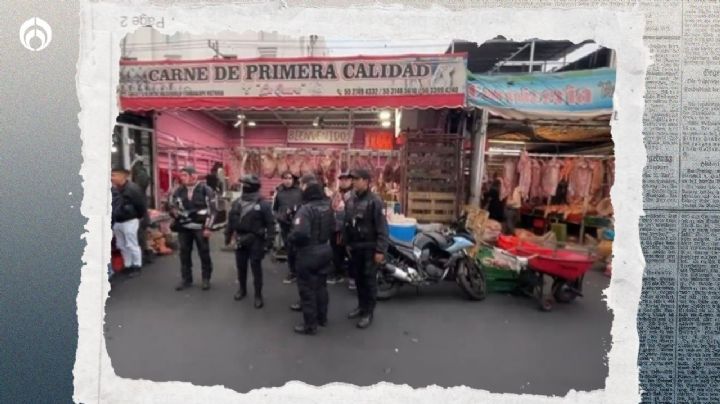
<point>503,344</point>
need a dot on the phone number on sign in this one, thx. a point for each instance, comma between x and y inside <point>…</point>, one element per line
<point>400,91</point>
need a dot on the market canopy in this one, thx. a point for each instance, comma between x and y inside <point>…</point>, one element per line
<point>407,81</point>
<point>574,95</point>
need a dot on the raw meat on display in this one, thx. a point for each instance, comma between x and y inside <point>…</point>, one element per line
<point>580,179</point>
<point>293,162</point>
<point>598,174</point>
<point>325,161</point>
<point>307,164</point>
<point>509,174</point>
<point>525,170</point>
<point>253,163</point>
<point>567,168</point>
<point>344,162</point>
<point>269,164</point>
<point>282,164</point>
<point>536,168</point>
<point>551,177</point>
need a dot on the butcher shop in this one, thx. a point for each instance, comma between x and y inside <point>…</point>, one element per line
<point>398,116</point>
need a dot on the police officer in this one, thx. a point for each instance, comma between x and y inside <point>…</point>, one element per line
<point>313,227</point>
<point>287,199</point>
<point>251,222</point>
<point>366,235</point>
<point>193,209</point>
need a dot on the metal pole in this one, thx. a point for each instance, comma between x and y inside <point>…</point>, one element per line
<point>478,160</point>
<point>532,55</point>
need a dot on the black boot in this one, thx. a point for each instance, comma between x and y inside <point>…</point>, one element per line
<point>133,271</point>
<point>240,294</point>
<point>365,321</point>
<point>305,330</point>
<point>205,284</point>
<point>296,306</point>
<point>357,313</point>
<point>259,302</point>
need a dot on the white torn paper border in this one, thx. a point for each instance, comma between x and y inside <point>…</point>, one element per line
<point>100,36</point>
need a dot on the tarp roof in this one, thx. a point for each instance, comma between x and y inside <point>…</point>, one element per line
<point>482,58</point>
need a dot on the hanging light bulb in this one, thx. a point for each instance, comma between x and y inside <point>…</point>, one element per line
<point>251,123</point>
<point>385,115</point>
<point>385,124</point>
<point>113,149</point>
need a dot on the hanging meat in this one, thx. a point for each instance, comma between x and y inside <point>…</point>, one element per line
<point>580,180</point>
<point>253,164</point>
<point>525,169</point>
<point>610,175</point>
<point>537,168</point>
<point>566,169</point>
<point>598,175</point>
<point>269,164</point>
<point>307,164</point>
<point>332,171</point>
<point>325,160</point>
<point>293,163</point>
<point>508,178</point>
<point>550,177</point>
<point>282,164</point>
<point>388,173</point>
<point>344,162</point>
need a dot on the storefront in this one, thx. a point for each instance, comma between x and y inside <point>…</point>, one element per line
<point>547,135</point>
<point>319,115</point>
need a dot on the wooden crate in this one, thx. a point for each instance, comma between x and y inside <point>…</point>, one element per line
<point>432,206</point>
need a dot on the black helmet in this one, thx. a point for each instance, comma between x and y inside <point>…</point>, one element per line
<point>250,179</point>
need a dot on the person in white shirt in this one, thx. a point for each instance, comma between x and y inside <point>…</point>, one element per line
<point>512,210</point>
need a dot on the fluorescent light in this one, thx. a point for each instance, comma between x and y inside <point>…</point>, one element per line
<point>386,124</point>
<point>316,122</point>
<point>237,124</point>
<point>251,123</point>
<point>241,117</point>
<point>385,115</point>
<point>113,149</point>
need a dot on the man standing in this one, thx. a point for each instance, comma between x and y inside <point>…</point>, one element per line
<point>287,199</point>
<point>141,177</point>
<point>251,222</point>
<point>366,235</point>
<point>193,208</point>
<point>313,227</point>
<point>512,210</point>
<point>128,207</point>
<point>339,199</point>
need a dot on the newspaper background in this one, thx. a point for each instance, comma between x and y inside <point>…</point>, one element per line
<point>677,324</point>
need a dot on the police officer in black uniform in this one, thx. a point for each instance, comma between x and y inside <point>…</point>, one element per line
<point>192,207</point>
<point>313,226</point>
<point>251,222</point>
<point>366,235</point>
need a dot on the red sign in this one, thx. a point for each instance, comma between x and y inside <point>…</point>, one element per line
<point>379,140</point>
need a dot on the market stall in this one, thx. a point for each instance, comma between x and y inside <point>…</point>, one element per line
<point>305,115</point>
<point>544,141</point>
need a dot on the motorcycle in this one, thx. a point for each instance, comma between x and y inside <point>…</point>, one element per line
<point>432,256</point>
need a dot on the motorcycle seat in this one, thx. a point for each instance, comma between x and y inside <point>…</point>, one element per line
<point>402,243</point>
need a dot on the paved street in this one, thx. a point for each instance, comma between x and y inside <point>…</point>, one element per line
<point>503,344</point>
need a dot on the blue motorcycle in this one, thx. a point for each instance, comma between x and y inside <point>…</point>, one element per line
<point>432,257</point>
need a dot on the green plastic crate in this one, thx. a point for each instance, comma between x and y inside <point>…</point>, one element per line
<point>498,280</point>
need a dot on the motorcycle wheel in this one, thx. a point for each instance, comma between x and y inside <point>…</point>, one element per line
<point>386,288</point>
<point>471,279</point>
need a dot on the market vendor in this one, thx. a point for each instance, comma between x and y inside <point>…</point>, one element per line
<point>512,210</point>
<point>492,202</point>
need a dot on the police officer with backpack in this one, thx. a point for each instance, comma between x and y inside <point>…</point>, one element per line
<point>192,207</point>
<point>251,222</point>
<point>313,227</point>
<point>366,235</point>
